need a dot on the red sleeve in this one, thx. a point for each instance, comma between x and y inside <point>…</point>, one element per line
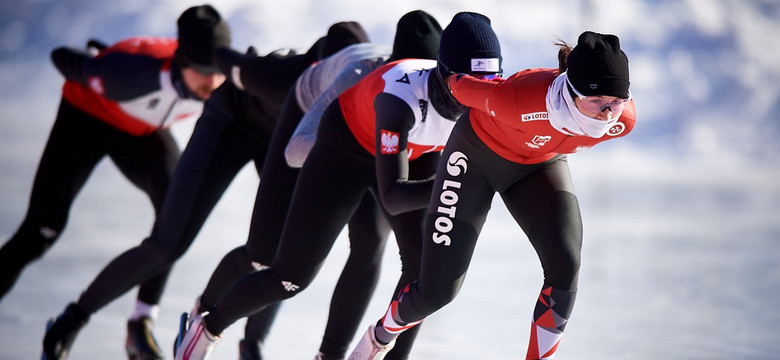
<point>489,96</point>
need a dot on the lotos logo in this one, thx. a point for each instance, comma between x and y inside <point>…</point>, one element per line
<point>389,142</point>
<point>457,165</point>
<point>541,115</point>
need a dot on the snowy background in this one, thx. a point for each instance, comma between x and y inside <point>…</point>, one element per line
<point>682,218</point>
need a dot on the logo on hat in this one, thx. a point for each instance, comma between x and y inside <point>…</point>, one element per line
<point>485,65</point>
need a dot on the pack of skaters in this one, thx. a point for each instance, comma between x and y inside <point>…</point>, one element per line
<point>390,124</point>
<point>234,129</point>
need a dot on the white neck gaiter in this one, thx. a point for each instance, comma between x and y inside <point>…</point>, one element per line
<point>567,118</point>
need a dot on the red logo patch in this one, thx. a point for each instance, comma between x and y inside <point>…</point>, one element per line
<point>616,129</point>
<point>389,142</point>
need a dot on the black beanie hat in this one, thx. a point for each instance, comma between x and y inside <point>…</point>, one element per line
<point>469,45</point>
<point>417,36</point>
<point>597,66</point>
<point>341,35</point>
<point>201,31</point>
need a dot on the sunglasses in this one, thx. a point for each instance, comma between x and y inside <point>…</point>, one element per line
<point>478,76</point>
<point>596,104</point>
<point>486,76</point>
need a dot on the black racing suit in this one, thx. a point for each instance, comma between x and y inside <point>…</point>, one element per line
<point>113,104</point>
<point>235,128</point>
<point>368,232</point>
<point>336,176</point>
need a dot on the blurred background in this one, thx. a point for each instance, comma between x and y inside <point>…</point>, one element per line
<point>681,258</point>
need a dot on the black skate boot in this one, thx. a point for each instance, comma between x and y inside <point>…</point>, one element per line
<point>140,343</point>
<point>184,326</point>
<point>62,332</point>
<point>249,350</point>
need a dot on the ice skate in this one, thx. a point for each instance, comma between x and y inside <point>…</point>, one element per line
<point>197,343</point>
<point>369,348</point>
<point>321,356</point>
<point>249,350</point>
<point>140,343</point>
<point>61,333</point>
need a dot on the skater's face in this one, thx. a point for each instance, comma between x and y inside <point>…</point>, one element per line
<point>602,107</point>
<point>202,85</point>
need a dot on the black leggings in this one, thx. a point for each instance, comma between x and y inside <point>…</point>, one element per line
<point>333,182</point>
<point>78,141</point>
<point>540,197</point>
<point>368,232</point>
<point>218,148</point>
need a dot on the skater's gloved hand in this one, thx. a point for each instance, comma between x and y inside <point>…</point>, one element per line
<point>251,51</point>
<point>230,62</point>
<point>95,46</point>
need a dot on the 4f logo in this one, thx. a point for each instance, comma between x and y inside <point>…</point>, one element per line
<point>457,164</point>
<point>538,141</point>
<point>289,286</point>
<point>48,233</point>
<point>389,142</point>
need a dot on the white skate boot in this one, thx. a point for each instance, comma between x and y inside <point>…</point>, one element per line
<point>369,348</point>
<point>198,343</point>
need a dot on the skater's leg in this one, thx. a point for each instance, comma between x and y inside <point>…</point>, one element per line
<point>76,143</point>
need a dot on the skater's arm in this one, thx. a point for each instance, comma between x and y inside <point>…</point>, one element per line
<point>398,194</point>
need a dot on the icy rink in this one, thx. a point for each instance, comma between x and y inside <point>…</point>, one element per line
<point>680,261</point>
<point>681,257</point>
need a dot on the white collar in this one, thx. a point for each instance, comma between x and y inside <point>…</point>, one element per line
<point>567,118</point>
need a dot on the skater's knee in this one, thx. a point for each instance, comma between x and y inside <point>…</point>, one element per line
<point>158,253</point>
<point>436,302</point>
<point>256,251</point>
<point>238,255</point>
<point>288,286</point>
<point>427,302</point>
<point>366,240</point>
<point>31,242</point>
<point>563,273</point>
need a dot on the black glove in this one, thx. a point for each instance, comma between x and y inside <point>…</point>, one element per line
<point>226,59</point>
<point>251,51</point>
<point>96,44</point>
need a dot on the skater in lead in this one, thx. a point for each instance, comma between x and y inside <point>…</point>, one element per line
<point>513,141</point>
